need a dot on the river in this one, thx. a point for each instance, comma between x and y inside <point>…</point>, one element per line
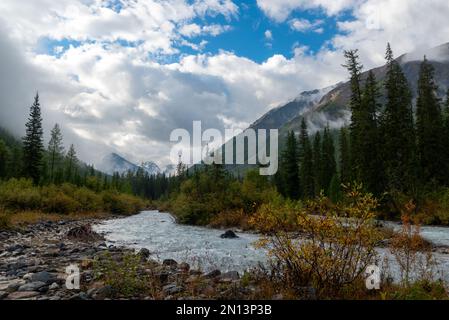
<point>203,248</point>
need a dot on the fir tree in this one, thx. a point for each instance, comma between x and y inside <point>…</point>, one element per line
<point>328,162</point>
<point>4,159</point>
<point>71,164</point>
<point>306,162</point>
<point>33,143</point>
<point>317,174</point>
<point>356,128</point>
<point>290,168</point>
<point>370,167</point>
<point>345,157</point>
<point>429,127</point>
<point>55,151</point>
<point>397,127</point>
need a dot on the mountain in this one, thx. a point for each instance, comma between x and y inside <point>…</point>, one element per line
<point>151,168</point>
<point>277,117</point>
<point>170,170</point>
<point>333,107</point>
<point>113,163</point>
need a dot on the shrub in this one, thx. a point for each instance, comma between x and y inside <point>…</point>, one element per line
<point>5,221</point>
<point>53,200</point>
<point>121,204</point>
<point>19,195</point>
<point>412,253</point>
<point>125,276</point>
<point>337,243</point>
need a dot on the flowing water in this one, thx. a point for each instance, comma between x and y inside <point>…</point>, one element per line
<point>204,248</point>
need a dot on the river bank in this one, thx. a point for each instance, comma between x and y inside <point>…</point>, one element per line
<point>33,262</point>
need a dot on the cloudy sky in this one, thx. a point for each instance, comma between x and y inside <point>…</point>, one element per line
<point>120,75</point>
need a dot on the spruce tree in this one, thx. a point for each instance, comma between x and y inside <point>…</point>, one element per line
<point>71,164</point>
<point>55,151</point>
<point>290,168</point>
<point>306,163</point>
<point>4,159</point>
<point>33,145</point>
<point>370,167</point>
<point>345,157</point>
<point>397,127</point>
<point>429,127</point>
<point>357,134</point>
<point>446,136</point>
<point>317,169</point>
<point>328,162</point>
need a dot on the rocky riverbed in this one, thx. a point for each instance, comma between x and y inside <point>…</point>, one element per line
<point>33,264</point>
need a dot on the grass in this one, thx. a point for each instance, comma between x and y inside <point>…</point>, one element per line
<point>24,218</point>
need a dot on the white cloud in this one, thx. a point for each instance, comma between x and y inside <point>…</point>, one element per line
<point>305,25</point>
<point>280,10</point>
<point>113,97</point>
<point>268,35</point>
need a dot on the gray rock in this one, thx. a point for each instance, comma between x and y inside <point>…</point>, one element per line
<point>103,293</point>
<point>170,263</point>
<point>43,276</point>
<point>231,275</point>
<point>144,252</point>
<point>171,289</point>
<point>54,286</point>
<point>3,295</point>
<point>32,286</point>
<point>184,267</point>
<point>213,274</point>
<point>79,296</point>
<point>20,295</point>
<point>229,235</point>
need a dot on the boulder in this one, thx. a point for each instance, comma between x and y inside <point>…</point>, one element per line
<point>43,276</point>
<point>171,289</point>
<point>170,263</point>
<point>19,295</point>
<point>229,235</point>
<point>231,275</point>
<point>144,253</point>
<point>213,274</point>
<point>32,286</point>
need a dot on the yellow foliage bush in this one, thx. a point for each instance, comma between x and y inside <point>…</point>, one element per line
<point>325,246</point>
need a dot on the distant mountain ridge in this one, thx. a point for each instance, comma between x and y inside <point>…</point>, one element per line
<point>114,163</point>
<point>333,108</point>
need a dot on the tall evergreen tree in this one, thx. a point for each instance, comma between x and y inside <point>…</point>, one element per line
<point>356,128</point>
<point>55,151</point>
<point>345,156</point>
<point>397,127</point>
<point>429,128</point>
<point>290,168</point>
<point>71,164</point>
<point>317,174</point>
<point>33,145</point>
<point>328,162</point>
<point>446,135</point>
<point>306,162</point>
<point>370,167</point>
<point>4,159</point>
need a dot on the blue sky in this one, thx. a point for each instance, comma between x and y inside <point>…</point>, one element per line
<point>246,37</point>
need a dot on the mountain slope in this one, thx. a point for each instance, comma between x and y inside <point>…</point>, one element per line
<point>334,106</point>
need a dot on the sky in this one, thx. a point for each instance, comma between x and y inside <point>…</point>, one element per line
<point>120,75</point>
